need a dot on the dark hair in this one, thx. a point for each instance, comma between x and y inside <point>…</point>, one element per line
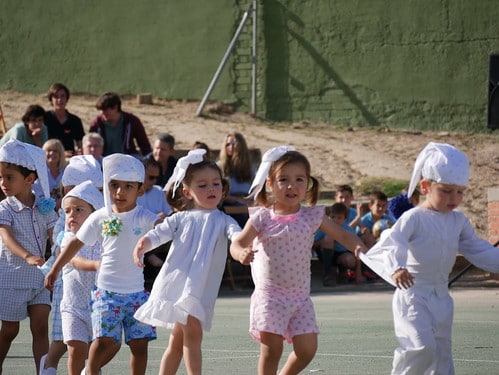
<point>35,111</point>
<point>239,164</point>
<point>339,209</point>
<point>377,196</point>
<point>202,145</point>
<point>343,188</point>
<point>167,138</point>
<point>56,87</point>
<point>290,157</point>
<point>150,162</point>
<point>23,170</point>
<point>108,100</point>
<point>179,202</point>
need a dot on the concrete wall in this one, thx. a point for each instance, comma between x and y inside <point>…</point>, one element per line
<point>414,64</point>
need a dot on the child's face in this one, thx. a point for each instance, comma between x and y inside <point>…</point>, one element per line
<point>77,210</point>
<point>151,177</point>
<point>289,187</point>
<point>13,182</point>
<point>378,208</point>
<point>124,194</point>
<point>442,197</point>
<point>338,219</point>
<point>205,189</point>
<point>344,197</point>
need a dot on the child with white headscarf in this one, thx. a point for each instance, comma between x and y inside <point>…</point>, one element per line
<point>417,255</point>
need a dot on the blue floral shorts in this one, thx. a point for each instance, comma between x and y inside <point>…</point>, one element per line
<point>112,314</point>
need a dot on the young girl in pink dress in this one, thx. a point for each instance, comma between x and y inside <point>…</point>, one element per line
<point>277,240</point>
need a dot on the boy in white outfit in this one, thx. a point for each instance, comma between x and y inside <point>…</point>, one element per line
<point>417,256</point>
<point>119,290</point>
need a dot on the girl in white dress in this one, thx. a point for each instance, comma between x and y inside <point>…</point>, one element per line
<point>184,293</point>
<point>418,254</point>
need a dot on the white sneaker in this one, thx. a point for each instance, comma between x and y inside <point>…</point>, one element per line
<point>84,371</point>
<point>46,371</point>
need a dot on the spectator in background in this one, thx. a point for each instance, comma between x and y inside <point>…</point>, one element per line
<point>56,163</point>
<point>344,194</point>
<point>235,163</point>
<point>31,130</point>
<point>401,203</point>
<point>60,123</point>
<point>163,151</point>
<point>122,131</point>
<point>93,144</point>
<point>204,146</point>
<point>378,202</point>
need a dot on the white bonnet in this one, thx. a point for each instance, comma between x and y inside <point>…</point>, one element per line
<point>120,167</point>
<point>27,156</point>
<point>88,192</point>
<point>442,163</point>
<point>82,168</point>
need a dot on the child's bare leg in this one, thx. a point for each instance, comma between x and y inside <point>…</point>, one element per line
<point>193,335</point>
<point>102,350</point>
<point>270,353</point>
<point>55,353</point>
<point>138,357</point>
<point>8,333</point>
<point>77,354</point>
<point>304,348</point>
<point>39,326</point>
<point>173,353</point>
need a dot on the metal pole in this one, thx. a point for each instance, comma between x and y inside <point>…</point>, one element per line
<point>254,61</point>
<point>222,63</point>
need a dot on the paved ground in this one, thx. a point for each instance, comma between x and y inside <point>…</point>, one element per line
<point>356,335</point>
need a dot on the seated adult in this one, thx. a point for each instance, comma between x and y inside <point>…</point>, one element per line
<point>163,151</point>
<point>93,144</point>
<point>31,130</point>
<point>60,123</point>
<point>122,131</point>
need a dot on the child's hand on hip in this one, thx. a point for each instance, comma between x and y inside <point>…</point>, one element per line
<point>402,278</point>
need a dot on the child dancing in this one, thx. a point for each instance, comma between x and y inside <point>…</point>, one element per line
<point>184,293</point>
<point>277,240</point>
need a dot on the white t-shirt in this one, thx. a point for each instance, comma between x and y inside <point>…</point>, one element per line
<point>118,273</point>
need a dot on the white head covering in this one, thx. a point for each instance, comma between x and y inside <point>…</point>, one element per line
<point>27,156</point>
<point>263,170</point>
<point>192,157</point>
<point>120,167</point>
<point>89,193</point>
<point>442,163</point>
<point>82,168</point>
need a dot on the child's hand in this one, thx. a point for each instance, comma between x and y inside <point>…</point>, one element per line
<point>50,279</point>
<point>247,256</point>
<point>359,249</point>
<point>403,279</point>
<point>34,260</point>
<point>142,246</point>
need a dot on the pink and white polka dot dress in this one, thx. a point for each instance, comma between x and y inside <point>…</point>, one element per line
<point>281,271</point>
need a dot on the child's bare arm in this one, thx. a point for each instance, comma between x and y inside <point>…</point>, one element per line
<point>70,250</point>
<point>15,247</point>
<point>240,248</point>
<point>351,241</point>
<point>84,264</point>
<point>143,246</point>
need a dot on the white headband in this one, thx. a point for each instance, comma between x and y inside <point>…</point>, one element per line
<point>442,163</point>
<point>193,157</point>
<point>263,170</point>
<point>33,158</point>
<point>120,167</point>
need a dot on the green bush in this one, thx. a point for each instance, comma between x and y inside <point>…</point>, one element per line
<point>390,186</point>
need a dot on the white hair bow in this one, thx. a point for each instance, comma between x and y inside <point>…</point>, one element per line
<point>263,170</point>
<point>193,157</point>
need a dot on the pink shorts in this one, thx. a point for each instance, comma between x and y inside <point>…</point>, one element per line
<point>283,316</point>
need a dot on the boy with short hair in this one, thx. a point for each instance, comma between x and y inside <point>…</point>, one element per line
<point>120,283</point>
<point>26,223</point>
<point>378,203</point>
<point>344,194</point>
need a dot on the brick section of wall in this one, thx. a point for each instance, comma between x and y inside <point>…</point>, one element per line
<point>493,219</point>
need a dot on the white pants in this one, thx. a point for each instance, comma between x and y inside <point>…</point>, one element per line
<point>423,326</point>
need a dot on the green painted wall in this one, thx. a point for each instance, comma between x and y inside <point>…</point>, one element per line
<point>414,64</point>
